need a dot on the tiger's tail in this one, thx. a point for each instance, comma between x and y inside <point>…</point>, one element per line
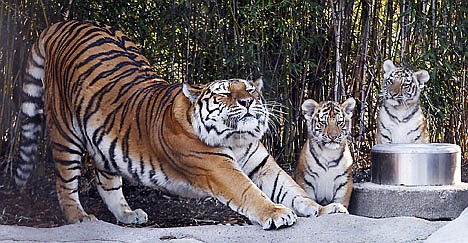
<point>31,113</point>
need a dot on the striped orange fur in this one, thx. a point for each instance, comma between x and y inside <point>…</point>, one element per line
<point>101,97</point>
<point>324,169</point>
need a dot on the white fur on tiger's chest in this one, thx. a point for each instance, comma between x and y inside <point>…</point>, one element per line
<point>327,172</point>
<point>400,130</point>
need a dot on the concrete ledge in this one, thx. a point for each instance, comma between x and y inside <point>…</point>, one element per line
<point>427,202</point>
<point>336,228</point>
<point>454,231</point>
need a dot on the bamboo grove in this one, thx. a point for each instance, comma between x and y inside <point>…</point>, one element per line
<point>320,49</point>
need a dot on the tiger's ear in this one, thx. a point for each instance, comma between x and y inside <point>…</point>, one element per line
<point>422,76</point>
<point>348,107</point>
<point>309,107</point>
<point>388,66</point>
<point>191,92</point>
<point>258,84</point>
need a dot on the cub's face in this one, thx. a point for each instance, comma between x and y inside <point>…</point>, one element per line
<point>328,123</point>
<point>401,86</point>
<point>228,111</point>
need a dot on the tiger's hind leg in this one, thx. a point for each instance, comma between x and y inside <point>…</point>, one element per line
<point>109,186</point>
<point>67,157</point>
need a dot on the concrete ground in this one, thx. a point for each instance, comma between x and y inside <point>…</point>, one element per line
<point>328,228</point>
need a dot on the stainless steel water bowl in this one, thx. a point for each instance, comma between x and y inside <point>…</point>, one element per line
<point>416,164</point>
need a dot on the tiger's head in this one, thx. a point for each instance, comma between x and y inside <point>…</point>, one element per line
<point>328,123</point>
<point>228,112</point>
<point>401,86</point>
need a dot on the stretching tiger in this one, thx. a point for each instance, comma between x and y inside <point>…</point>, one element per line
<point>102,97</point>
<point>324,169</point>
<point>400,118</point>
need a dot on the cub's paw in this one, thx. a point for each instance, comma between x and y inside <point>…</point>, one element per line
<point>281,216</point>
<point>306,207</point>
<point>333,208</point>
<point>138,216</point>
<point>82,217</point>
<point>88,218</point>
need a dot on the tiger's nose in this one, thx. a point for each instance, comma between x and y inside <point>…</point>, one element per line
<point>245,102</point>
<point>333,136</point>
<point>393,93</point>
<point>334,133</point>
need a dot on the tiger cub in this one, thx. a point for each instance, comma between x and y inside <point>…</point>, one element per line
<point>324,169</point>
<point>99,95</point>
<point>401,119</point>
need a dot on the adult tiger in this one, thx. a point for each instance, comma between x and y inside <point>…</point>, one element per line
<point>401,119</point>
<point>102,97</point>
<point>324,169</point>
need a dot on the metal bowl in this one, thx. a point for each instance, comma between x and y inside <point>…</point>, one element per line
<point>416,164</point>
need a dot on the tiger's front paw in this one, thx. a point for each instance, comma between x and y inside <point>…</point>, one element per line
<point>138,216</point>
<point>281,216</point>
<point>333,208</point>
<point>88,217</point>
<point>80,217</point>
<point>306,207</point>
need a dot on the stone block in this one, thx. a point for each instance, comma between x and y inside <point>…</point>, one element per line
<point>427,202</point>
